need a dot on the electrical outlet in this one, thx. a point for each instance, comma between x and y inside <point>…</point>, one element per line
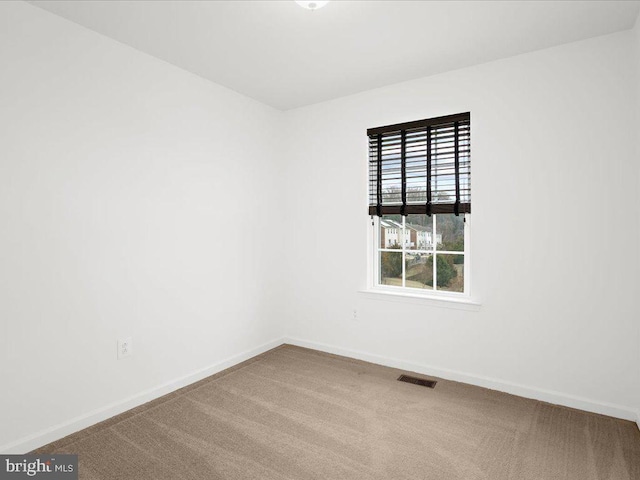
<point>355,314</point>
<point>125,347</point>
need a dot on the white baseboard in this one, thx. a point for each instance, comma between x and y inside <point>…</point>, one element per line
<point>61,430</point>
<point>548,396</point>
<point>38,439</point>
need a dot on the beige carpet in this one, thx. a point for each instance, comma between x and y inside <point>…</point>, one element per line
<point>299,414</point>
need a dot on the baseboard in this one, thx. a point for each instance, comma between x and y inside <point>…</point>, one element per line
<point>61,430</point>
<point>31,442</point>
<point>548,396</point>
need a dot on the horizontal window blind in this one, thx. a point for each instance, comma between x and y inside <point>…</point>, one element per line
<point>421,167</point>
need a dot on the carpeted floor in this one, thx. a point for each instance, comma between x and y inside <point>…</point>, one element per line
<point>299,414</point>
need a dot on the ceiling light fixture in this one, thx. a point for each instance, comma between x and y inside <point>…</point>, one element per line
<point>311,5</point>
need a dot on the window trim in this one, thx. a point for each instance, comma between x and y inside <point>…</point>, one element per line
<point>403,292</point>
<point>468,304</point>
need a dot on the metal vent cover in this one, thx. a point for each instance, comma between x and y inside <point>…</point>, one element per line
<point>423,382</point>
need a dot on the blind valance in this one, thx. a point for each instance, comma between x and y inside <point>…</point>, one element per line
<point>421,167</point>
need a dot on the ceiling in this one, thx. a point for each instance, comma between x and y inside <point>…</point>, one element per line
<point>287,57</point>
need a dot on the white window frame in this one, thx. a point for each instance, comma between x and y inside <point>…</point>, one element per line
<point>374,265</point>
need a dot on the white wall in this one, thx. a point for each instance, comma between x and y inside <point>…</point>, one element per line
<point>117,171</point>
<point>636,32</point>
<point>554,228</point>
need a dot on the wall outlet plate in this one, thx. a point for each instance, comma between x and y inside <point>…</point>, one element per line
<point>125,347</point>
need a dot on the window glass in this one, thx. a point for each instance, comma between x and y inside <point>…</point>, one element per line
<point>421,252</point>
<point>419,270</point>
<point>391,268</point>
<point>450,233</point>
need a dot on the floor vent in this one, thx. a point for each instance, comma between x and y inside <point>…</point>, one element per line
<point>417,381</point>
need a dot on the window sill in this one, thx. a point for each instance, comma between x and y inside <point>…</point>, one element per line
<point>463,303</point>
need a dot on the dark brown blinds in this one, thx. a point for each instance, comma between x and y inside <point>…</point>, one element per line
<point>421,167</point>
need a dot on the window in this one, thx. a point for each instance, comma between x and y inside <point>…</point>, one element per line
<point>420,203</point>
<point>426,253</point>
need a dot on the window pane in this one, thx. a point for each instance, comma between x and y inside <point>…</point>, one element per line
<point>450,232</point>
<point>450,273</point>
<point>391,268</point>
<point>419,270</point>
<point>391,167</point>
<point>419,232</point>
<point>391,231</point>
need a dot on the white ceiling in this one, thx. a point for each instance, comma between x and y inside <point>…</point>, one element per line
<point>287,57</point>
